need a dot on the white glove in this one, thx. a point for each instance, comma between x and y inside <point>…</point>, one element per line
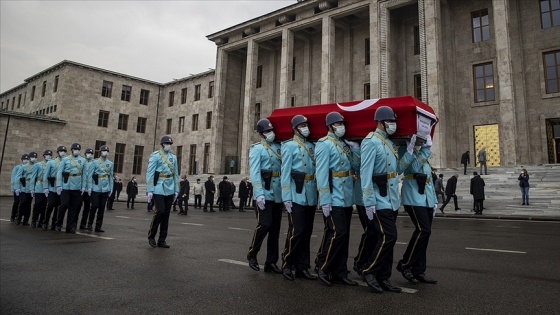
<point>428,143</point>
<point>370,211</point>
<point>410,145</point>
<point>175,197</point>
<point>288,206</point>
<point>32,194</point>
<point>46,192</point>
<point>110,192</point>
<point>352,144</point>
<point>150,196</point>
<point>17,191</point>
<point>327,209</point>
<point>260,202</point>
<point>89,192</point>
<point>58,190</point>
<point>435,210</point>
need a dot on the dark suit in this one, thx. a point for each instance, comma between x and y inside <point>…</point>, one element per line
<point>210,188</point>
<point>477,191</point>
<point>183,197</point>
<point>225,192</point>
<point>119,189</point>
<point>243,194</point>
<point>465,159</point>
<point>450,192</point>
<point>131,191</point>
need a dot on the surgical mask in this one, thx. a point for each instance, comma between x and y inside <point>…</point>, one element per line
<point>48,157</point>
<point>104,153</point>
<point>62,154</point>
<point>304,132</point>
<point>88,156</point>
<point>33,160</point>
<point>339,131</point>
<point>270,136</point>
<point>167,147</point>
<point>390,127</point>
<point>25,161</point>
<point>76,152</point>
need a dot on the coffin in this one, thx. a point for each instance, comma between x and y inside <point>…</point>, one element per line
<point>413,117</point>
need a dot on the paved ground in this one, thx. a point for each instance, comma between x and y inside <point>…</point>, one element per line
<point>484,266</point>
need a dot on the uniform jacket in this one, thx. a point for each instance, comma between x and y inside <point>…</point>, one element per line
<point>104,169</point>
<point>523,180</point>
<point>87,171</point>
<point>198,189</point>
<point>465,158</point>
<point>225,188</point>
<point>333,155</point>
<point>39,170</point>
<point>409,164</point>
<point>51,171</point>
<point>451,186</point>
<point>379,156</point>
<point>482,155</point>
<point>75,166</point>
<point>26,171</point>
<point>243,190</point>
<point>357,191</point>
<point>477,187</point>
<point>166,164</point>
<point>184,190</point>
<point>265,156</point>
<point>14,180</point>
<point>132,189</point>
<point>298,155</point>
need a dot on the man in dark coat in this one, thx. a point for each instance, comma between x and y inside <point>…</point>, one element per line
<point>231,194</point>
<point>225,193</point>
<point>131,191</point>
<point>183,197</point>
<point>243,193</point>
<point>450,189</point>
<point>466,159</point>
<point>250,202</point>
<point>210,188</point>
<point>477,191</point>
<point>119,188</point>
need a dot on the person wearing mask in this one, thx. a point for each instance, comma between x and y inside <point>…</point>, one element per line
<point>183,199</point>
<point>86,197</point>
<point>210,188</point>
<point>15,187</point>
<point>198,191</point>
<point>27,188</point>
<point>53,199</point>
<point>70,185</point>
<point>131,192</point>
<point>118,187</point>
<point>40,206</point>
<point>243,193</point>
<point>477,191</point>
<point>524,186</point>
<point>100,188</point>
<point>225,191</point>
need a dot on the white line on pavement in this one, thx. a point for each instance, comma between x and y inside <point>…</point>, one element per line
<point>401,243</point>
<point>496,250</point>
<point>502,220</point>
<point>95,236</point>
<point>123,217</point>
<point>239,229</point>
<point>196,224</point>
<point>4,220</point>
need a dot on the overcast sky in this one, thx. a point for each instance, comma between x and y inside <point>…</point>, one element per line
<point>154,40</point>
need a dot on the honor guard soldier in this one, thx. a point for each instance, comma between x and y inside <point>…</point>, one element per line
<point>15,186</point>
<point>299,193</point>
<point>27,180</point>
<point>100,187</point>
<point>86,195</point>
<point>367,240</point>
<point>70,185</point>
<point>40,206</point>
<point>265,164</point>
<point>53,199</point>
<point>335,161</point>
<point>380,188</point>
<point>162,185</point>
<point>420,202</point>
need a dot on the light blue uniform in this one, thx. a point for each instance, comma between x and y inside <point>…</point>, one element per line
<point>51,171</point>
<point>416,163</point>
<point>104,169</point>
<point>265,156</point>
<point>335,157</point>
<point>166,164</point>
<point>39,171</point>
<point>14,180</point>
<point>357,191</point>
<point>88,173</point>
<point>379,156</point>
<point>75,166</point>
<point>26,171</point>
<point>297,155</point>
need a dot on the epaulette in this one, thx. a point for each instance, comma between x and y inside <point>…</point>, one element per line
<point>323,139</point>
<point>254,144</point>
<point>155,152</point>
<point>370,135</point>
<point>286,141</point>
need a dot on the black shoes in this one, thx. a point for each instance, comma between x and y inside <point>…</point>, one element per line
<point>58,228</point>
<point>204,210</point>
<point>372,283</point>
<point>387,286</point>
<point>99,230</point>
<point>406,273</point>
<point>456,209</point>
<point>272,268</point>
<point>152,242</point>
<point>45,226</point>
<point>163,245</point>
<point>182,213</point>
<point>89,227</point>
<point>425,279</point>
<point>324,278</point>
<point>33,224</point>
<point>82,227</point>
<point>346,281</point>
<point>305,274</point>
<point>253,263</point>
<point>212,210</point>
<point>288,275</point>
<point>441,209</point>
<point>71,231</point>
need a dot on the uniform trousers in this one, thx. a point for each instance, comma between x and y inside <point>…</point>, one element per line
<point>86,202</point>
<point>15,207</point>
<point>160,218</point>
<point>69,200</point>
<point>414,257</point>
<point>380,261</point>
<point>333,255</point>
<point>53,202</point>
<point>367,241</point>
<point>269,221</point>
<point>24,207</point>
<point>300,228</point>
<point>98,202</point>
<point>39,208</point>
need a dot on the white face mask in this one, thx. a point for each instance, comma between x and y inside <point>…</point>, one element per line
<point>76,152</point>
<point>339,131</point>
<point>62,154</point>
<point>25,161</point>
<point>390,127</point>
<point>270,136</point>
<point>104,153</point>
<point>88,156</point>
<point>304,132</point>
<point>167,147</point>
<point>48,157</point>
<point>33,160</point>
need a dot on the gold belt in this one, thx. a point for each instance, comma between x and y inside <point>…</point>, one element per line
<point>341,174</point>
<point>309,176</point>
<point>74,174</point>
<point>411,176</point>
<point>103,176</point>
<point>392,174</point>
<point>166,175</point>
<point>276,174</point>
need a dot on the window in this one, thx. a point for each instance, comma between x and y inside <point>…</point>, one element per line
<point>44,89</point>
<point>144,95</point>
<point>416,40</point>
<point>125,95</point>
<point>195,122</point>
<point>552,71</point>
<point>55,108</point>
<point>257,114</point>
<point>294,69</point>
<point>119,157</point>
<point>137,162</point>
<point>55,86</point>
<point>550,13</point>
<point>141,125</point>
<point>484,82</point>
<point>208,120</point>
<point>418,86</point>
<point>367,91</point>
<point>259,76</point>
<point>123,122</point>
<point>32,93</point>
<point>293,101</point>
<point>98,144</point>
<point>168,129</point>
<point>206,158</point>
<point>181,124</point>
<point>171,98</point>
<point>13,101</point>
<point>19,101</point>
<point>211,89</point>
<point>8,104</point>
<point>179,155</point>
<point>197,92</point>
<point>367,52</point>
<point>192,160</point>
<point>103,119</point>
<point>480,26</point>
<point>184,96</point>
<point>106,89</point>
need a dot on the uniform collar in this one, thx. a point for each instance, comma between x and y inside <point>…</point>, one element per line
<point>298,137</point>
<point>332,135</point>
<point>381,132</point>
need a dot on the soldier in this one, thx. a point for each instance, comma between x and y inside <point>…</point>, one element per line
<point>265,163</point>
<point>369,237</point>
<point>162,184</point>
<point>420,202</point>
<point>86,199</point>
<point>27,180</point>
<point>380,188</point>
<point>53,198</point>
<point>40,184</point>
<point>70,185</point>
<point>299,193</point>
<point>100,187</point>
<point>15,186</point>
<point>335,161</point>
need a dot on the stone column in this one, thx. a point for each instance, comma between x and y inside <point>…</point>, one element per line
<point>503,74</point>
<point>327,57</point>
<point>384,35</point>
<point>285,66</point>
<point>218,112</point>
<point>250,72</point>
<point>374,48</point>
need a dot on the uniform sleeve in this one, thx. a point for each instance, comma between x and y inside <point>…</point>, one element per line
<point>152,165</point>
<point>405,159</point>
<point>176,174</point>
<point>111,174</point>
<point>285,179</point>
<point>323,172</point>
<point>367,163</point>
<point>46,174</point>
<point>355,159</point>
<point>255,169</point>
<point>59,173</point>
<point>15,178</point>
<point>34,173</point>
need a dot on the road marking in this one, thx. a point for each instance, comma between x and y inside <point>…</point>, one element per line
<point>95,236</point>
<point>239,229</point>
<point>532,219</point>
<point>123,217</point>
<point>401,243</point>
<point>4,220</point>
<point>496,250</point>
<point>196,224</point>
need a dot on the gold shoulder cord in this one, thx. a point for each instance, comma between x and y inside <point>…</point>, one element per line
<point>167,162</point>
<point>306,149</point>
<point>77,167</point>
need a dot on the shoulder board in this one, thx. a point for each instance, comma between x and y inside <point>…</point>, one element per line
<point>322,139</point>
<point>254,144</point>
<point>155,152</point>
<point>286,141</point>
<point>370,135</point>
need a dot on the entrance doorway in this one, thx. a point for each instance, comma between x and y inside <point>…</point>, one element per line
<point>553,140</point>
<point>487,136</point>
